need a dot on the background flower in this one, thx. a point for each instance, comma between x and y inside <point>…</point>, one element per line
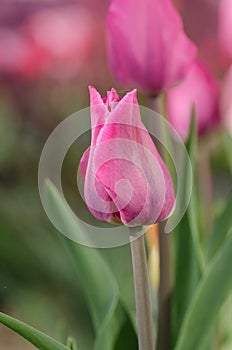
<point>199,91</point>
<point>147,45</point>
<point>224,25</point>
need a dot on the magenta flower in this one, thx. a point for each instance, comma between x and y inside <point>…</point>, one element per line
<point>65,35</point>
<point>147,46</point>
<point>225,33</point>
<point>226,101</point>
<point>200,91</point>
<point>125,179</point>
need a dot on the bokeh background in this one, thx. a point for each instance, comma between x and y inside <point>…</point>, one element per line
<point>50,51</point>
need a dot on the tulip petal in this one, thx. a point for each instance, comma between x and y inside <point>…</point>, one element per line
<point>111,99</point>
<point>147,46</point>
<point>125,177</point>
<point>99,112</point>
<point>110,214</point>
<point>200,90</point>
<point>224,25</point>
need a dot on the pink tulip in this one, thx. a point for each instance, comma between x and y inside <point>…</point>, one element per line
<point>19,56</point>
<point>200,91</point>
<point>226,100</point>
<point>65,34</point>
<point>147,46</point>
<point>125,179</point>
<point>225,33</point>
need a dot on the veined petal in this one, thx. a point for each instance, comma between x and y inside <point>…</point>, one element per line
<point>125,177</point>
<point>111,99</point>
<point>99,112</point>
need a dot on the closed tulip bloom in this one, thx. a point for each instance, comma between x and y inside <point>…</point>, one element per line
<point>125,179</point>
<point>226,101</point>
<point>200,91</point>
<point>147,46</point>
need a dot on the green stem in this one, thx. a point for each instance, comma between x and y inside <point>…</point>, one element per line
<point>142,293</point>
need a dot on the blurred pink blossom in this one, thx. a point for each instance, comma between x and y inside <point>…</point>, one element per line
<point>18,55</point>
<point>65,34</point>
<point>200,91</point>
<point>147,46</point>
<point>52,42</point>
<point>225,32</point>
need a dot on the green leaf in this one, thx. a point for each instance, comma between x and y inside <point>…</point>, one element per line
<point>187,274</point>
<point>120,263</point>
<point>220,230</point>
<point>94,274</point>
<point>212,292</point>
<point>35,337</point>
<point>188,256</point>
<point>224,330</point>
<point>71,343</point>
<point>192,212</point>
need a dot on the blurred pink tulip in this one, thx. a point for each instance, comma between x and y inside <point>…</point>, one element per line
<point>19,56</point>
<point>200,91</point>
<point>125,179</point>
<point>147,46</point>
<point>50,42</point>
<point>226,100</point>
<point>65,34</point>
<point>225,32</point>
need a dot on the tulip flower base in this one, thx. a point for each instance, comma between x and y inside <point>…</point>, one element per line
<point>142,292</point>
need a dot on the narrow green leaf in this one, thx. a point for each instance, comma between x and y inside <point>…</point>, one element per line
<point>71,343</point>
<point>220,230</point>
<point>187,274</point>
<point>192,212</point>
<point>224,330</point>
<point>120,263</point>
<point>191,142</point>
<point>212,292</point>
<point>188,259</point>
<point>94,274</point>
<point>35,337</point>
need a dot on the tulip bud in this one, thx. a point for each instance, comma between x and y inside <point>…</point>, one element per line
<point>226,101</point>
<point>125,179</point>
<point>147,46</point>
<point>200,91</point>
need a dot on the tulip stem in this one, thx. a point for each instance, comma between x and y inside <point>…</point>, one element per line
<point>142,292</point>
<point>157,104</point>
